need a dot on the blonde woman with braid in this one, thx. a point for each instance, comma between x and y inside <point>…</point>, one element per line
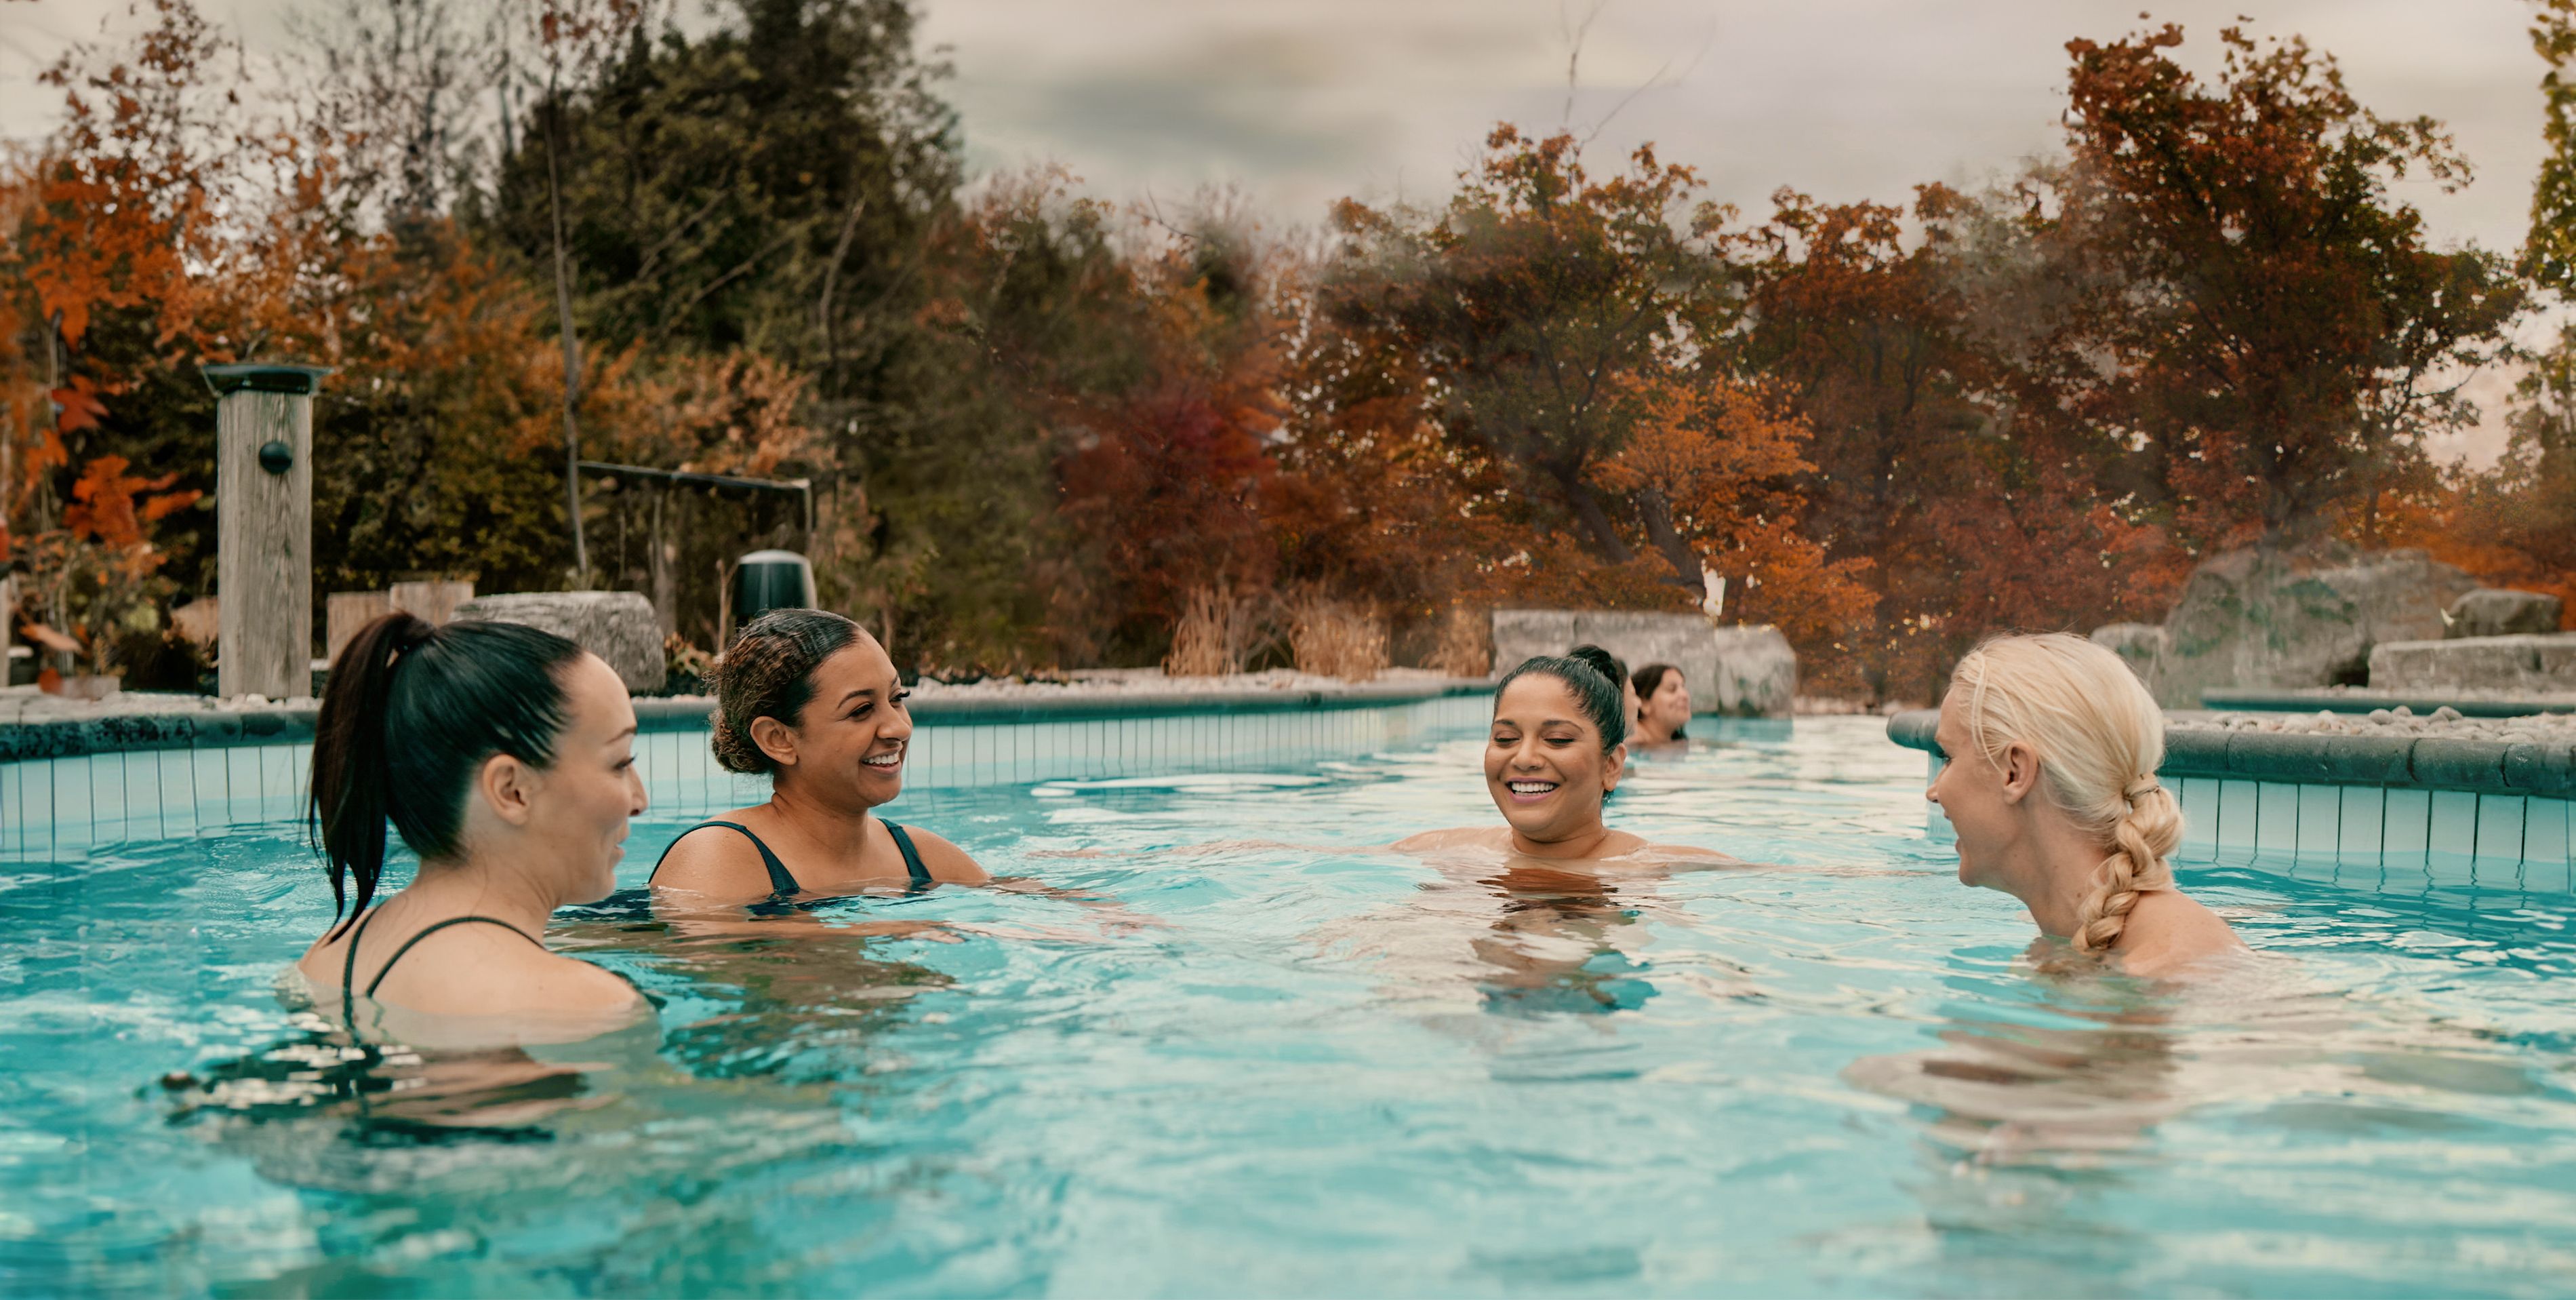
<point>2050,748</point>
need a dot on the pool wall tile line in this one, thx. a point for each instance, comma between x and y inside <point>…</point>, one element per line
<point>2363,811</point>
<point>2545,830</point>
<point>2501,827</point>
<point>2320,822</point>
<point>59,807</point>
<point>2239,815</point>
<point>2408,830</point>
<point>2276,819</point>
<point>2454,830</point>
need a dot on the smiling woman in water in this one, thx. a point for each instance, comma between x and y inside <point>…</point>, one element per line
<point>1555,752</point>
<point>811,700</point>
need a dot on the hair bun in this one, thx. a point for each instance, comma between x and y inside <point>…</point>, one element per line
<point>1600,661</point>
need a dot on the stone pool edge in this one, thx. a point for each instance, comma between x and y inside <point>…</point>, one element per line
<point>111,733</point>
<point>2458,763</point>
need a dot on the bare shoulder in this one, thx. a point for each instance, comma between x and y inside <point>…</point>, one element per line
<point>1428,841</point>
<point>2168,929</point>
<point>714,861</point>
<point>946,861</point>
<point>494,970</point>
<point>1689,857</point>
<point>573,985</point>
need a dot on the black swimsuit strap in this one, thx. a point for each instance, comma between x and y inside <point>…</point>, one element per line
<point>349,973</point>
<point>781,881</point>
<point>912,863</point>
<point>425,932</point>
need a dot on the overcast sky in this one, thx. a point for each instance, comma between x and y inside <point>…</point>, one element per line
<point>1297,102</point>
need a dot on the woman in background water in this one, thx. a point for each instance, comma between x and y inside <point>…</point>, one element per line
<point>1663,704</point>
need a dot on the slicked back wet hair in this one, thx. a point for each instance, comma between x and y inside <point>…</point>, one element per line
<point>411,714</point>
<point>768,672</point>
<point>1594,675</point>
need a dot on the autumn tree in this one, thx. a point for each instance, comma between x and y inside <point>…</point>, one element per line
<point>1532,300</point>
<point>2284,336</point>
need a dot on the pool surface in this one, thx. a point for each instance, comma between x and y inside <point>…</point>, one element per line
<point>1288,1063</point>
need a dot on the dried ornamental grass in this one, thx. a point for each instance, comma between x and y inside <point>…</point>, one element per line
<point>1331,639</point>
<point>1466,644</point>
<point>1213,635</point>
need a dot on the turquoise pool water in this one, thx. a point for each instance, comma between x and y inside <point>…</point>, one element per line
<point>1323,1070</point>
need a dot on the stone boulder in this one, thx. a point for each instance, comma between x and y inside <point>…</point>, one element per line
<point>2273,618</point>
<point>618,626</point>
<point>1756,672</point>
<point>1746,671</point>
<point>2502,611</point>
<point>2139,645</point>
<point>2539,665</point>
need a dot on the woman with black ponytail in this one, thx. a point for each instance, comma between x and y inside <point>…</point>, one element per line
<point>1556,751</point>
<point>505,757</point>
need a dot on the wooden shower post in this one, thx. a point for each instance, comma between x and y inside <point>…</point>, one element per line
<point>264,528</point>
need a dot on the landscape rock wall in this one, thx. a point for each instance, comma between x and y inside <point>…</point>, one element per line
<point>618,626</point>
<point>2265,617</point>
<point>1746,671</point>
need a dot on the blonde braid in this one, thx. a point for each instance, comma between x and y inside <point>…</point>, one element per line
<point>2145,837</point>
<point>2099,739</point>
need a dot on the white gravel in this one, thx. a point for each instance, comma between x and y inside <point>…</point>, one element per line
<point>2555,728</point>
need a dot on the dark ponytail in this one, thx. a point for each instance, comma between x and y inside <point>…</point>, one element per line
<point>1593,674</point>
<point>411,714</point>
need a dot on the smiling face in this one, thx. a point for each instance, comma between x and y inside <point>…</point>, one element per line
<point>847,747</point>
<point>1668,710</point>
<point>578,807</point>
<point>1544,764</point>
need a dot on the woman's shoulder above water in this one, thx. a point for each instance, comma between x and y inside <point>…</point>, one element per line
<point>465,985</point>
<point>2169,932</point>
<point>1620,848</point>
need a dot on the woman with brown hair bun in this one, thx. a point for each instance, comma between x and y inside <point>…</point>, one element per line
<point>2050,749</point>
<point>811,699</point>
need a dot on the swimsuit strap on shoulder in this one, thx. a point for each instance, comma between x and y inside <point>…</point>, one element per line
<point>349,972</point>
<point>428,930</point>
<point>781,881</point>
<point>912,863</point>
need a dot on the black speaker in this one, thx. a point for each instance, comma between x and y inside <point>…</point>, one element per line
<point>767,580</point>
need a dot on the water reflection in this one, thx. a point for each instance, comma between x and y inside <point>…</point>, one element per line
<point>1520,936</point>
<point>798,992</point>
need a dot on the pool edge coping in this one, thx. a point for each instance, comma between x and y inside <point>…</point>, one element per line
<point>2462,763</point>
<point>227,728</point>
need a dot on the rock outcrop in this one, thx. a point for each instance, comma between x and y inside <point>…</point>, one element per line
<point>1746,671</point>
<point>618,626</point>
<point>2537,664</point>
<point>2502,611</point>
<point>2139,645</point>
<point>2267,617</point>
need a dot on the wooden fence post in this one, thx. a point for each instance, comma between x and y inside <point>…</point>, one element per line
<point>264,528</point>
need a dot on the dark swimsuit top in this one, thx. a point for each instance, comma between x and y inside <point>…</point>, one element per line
<point>782,882</point>
<point>349,967</point>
